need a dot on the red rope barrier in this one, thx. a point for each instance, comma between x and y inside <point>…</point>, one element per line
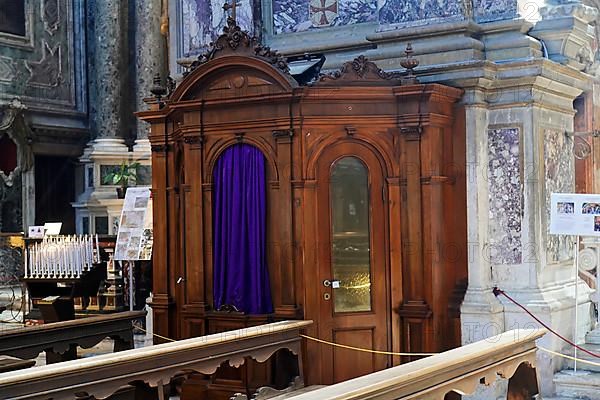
<point>503,293</point>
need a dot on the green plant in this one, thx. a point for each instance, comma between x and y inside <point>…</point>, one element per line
<point>122,175</point>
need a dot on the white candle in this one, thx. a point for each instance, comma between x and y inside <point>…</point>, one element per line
<point>97,250</point>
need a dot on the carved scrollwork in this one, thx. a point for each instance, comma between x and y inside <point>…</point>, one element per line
<point>359,69</point>
<point>235,40</point>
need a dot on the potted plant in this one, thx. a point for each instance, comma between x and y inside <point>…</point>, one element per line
<point>121,176</point>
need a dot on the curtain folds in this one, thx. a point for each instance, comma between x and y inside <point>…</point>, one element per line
<point>240,274</point>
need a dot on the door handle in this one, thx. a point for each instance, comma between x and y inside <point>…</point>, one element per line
<point>334,283</point>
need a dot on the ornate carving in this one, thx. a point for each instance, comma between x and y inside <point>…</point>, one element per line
<point>239,137</point>
<point>48,71</point>
<point>350,130</point>
<point>51,15</point>
<point>357,70</point>
<point>235,40</point>
<point>7,69</point>
<point>410,63</point>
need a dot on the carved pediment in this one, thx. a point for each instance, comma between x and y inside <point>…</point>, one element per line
<point>360,70</point>
<point>234,40</point>
<point>235,84</point>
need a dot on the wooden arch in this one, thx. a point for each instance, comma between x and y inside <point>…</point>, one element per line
<point>230,76</point>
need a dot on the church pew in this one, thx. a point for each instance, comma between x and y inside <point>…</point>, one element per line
<point>450,374</point>
<point>60,339</point>
<point>120,374</point>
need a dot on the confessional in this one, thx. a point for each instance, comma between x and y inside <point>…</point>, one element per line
<point>365,218</point>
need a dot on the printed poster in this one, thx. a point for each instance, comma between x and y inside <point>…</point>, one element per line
<point>575,214</point>
<point>134,239</point>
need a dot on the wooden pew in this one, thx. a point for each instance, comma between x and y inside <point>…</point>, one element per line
<point>450,374</point>
<point>60,339</point>
<point>107,374</point>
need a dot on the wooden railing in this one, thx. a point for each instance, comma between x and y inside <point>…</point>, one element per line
<point>511,355</point>
<point>104,375</point>
<point>60,339</point>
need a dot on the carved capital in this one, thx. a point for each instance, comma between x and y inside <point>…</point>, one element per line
<point>193,140</point>
<point>283,136</point>
<point>411,132</point>
<point>160,148</point>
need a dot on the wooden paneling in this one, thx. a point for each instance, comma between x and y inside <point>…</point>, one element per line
<point>348,363</point>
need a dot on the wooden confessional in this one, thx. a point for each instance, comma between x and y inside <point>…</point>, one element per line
<point>366,209</point>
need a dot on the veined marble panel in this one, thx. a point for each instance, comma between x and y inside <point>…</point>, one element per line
<point>505,195</point>
<point>419,11</point>
<point>203,22</point>
<point>559,177</point>
<point>494,10</point>
<point>303,15</point>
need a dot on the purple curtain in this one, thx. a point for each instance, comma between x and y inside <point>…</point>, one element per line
<point>240,274</point>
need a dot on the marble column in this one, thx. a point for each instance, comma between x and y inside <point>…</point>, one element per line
<point>110,73</point>
<point>150,47</point>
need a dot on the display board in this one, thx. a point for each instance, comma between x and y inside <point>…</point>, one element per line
<point>575,214</point>
<point>134,239</point>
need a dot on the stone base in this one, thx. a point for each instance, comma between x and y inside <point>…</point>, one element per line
<point>577,386</point>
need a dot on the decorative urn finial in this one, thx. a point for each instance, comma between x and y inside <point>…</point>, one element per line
<point>410,63</point>
<point>157,89</point>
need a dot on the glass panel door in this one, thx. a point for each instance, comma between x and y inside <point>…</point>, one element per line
<point>350,242</point>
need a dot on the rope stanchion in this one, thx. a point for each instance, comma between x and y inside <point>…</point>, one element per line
<point>388,353</point>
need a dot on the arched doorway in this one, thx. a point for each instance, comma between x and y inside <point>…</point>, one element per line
<point>352,261</point>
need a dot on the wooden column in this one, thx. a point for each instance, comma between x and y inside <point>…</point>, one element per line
<point>193,223</point>
<point>414,310</point>
<point>162,300</point>
<point>286,304</point>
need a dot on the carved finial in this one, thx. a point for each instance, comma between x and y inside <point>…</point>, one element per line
<point>410,63</point>
<point>231,7</point>
<point>157,89</point>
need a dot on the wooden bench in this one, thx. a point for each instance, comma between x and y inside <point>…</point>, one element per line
<point>124,372</point>
<point>60,339</point>
<point>448,375</point>
<point>8,363</point>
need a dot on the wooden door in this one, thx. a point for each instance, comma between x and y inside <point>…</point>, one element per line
<point>352,273</point>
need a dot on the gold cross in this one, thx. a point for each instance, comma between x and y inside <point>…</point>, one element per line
<point>231,7</point>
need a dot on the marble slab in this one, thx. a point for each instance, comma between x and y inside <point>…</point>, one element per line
<point>494,10</point>
<point>559,177</point>
<point>419,11</point>
<point>304,15</point>
<point>505,195</point>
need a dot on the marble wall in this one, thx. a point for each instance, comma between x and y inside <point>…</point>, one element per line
<point>303,15</point>
<point>203,21</point>
<point>559,177</point>
<point>46,63</point>
<point>505,198</point>
<point>421,11</point>
<point>494,10</point>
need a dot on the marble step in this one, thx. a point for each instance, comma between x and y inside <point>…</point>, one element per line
<point>584,385</point>
<point>594,348</point>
